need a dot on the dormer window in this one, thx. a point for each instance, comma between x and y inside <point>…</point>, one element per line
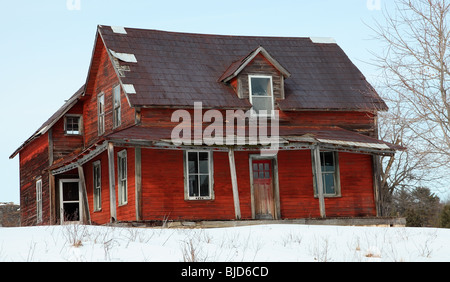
<point>259,78</point>
<point>261,94</point>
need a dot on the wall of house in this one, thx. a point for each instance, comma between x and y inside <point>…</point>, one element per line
<point>64,144</point>
<point>163,187</point>
<point>34,159</point>
<point>126,212</point>
<point>297,186</point>
<point>104,80</point>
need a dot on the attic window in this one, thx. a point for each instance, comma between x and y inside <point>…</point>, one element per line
<point>72,125</point>
<point>261,94</point>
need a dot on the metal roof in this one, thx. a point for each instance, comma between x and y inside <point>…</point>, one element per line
<point>174,69</point>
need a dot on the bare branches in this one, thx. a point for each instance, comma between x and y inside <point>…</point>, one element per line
<point>414,64</point>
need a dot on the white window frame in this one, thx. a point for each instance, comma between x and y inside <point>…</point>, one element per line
<point>39,200</point>
<point>250,94</point>
<point>122,180</point>
<point>336,174</point>
<point>101,114</point>
<point>117,107</point>
<point>80,124</point>
<point>97,185</point>
<point>210,174</point>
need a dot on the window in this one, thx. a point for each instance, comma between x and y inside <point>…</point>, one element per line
<point>122,177</point>
<point>101,113</point>
<point>97,186</point>
<point>198,175</point>
<point>72,125</point>
<point>261,94</point>
<point>39,200</point>
<point>330,174</point>
<point>117,106</point>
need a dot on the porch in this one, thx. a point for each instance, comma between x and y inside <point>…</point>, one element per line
<point>341,221</point>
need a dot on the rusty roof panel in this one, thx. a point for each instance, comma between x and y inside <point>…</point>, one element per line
<point>176,69</point>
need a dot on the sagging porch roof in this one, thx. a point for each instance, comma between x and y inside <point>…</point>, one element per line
<point>331,137</point>
<point>290,138</point>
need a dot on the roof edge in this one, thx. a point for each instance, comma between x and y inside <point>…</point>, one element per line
<point>249,58</point>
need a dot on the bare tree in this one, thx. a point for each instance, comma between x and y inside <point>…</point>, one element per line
<point>408,169</point>
<point>414,63</point>
<point>415,67</point>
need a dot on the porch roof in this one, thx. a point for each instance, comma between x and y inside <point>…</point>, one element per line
<point>330,137</point>
<point>290,138</point>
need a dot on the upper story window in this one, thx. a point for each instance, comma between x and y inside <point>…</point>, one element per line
<point>72,125</point>
<point>101,113</point>
<point>117,107</point>
<point>261,94</point>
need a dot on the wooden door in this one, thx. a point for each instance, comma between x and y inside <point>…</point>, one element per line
<point>263,189</point>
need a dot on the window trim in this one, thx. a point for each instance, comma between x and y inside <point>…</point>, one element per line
<point>123,197</point>
<point>337,176</point>
<point>101,125</point>
<point>97,196</point>
<point>80,124</point>
<point>250,95</point>
<point>211,196</point>
<point>117,120</point>
<point>39,210</point>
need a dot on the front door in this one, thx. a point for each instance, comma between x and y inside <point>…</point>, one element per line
<point>263,192</point>
<point>70,199</point>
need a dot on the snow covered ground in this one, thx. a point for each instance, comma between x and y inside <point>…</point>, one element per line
<point>264,243</point>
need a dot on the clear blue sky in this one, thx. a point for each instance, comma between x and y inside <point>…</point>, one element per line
<point>46,46</point>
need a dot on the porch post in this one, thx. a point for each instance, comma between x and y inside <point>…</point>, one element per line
<point>377,184</point>
<point>112,182</point>
<point>318,172</point>
<point>237,208</point>
<point>86,213</point>
<point>138,181</point>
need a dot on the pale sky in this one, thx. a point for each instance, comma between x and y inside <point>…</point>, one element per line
<point>46,46</point>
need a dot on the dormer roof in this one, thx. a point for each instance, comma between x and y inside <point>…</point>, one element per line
<point>237,66</point>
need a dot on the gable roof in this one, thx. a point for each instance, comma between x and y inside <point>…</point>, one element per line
<point>237,66</point>
<point>52,120</point>
<point>169,69</point>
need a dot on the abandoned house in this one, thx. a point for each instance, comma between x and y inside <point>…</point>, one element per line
<point>108,154</point>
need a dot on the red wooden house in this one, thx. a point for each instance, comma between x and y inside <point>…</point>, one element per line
<point>108,153</point>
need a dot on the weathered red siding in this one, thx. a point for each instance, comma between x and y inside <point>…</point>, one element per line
<point>64,144</point>
<point>33,162</point>
<point>126,212</point>
<point>104,82</point>
<point>297,187</point>
<point>163,187</point>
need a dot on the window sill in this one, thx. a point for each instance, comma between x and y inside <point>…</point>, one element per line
<point>193,199</point>
<point>328,196</point>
